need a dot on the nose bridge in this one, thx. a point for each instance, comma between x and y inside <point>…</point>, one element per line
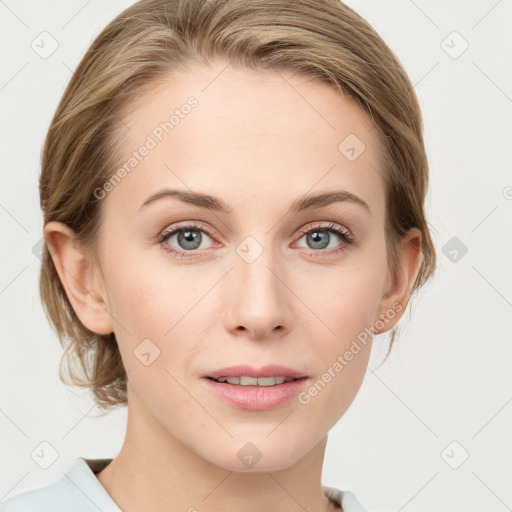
<point>259,300</point>
<point>256,265</point>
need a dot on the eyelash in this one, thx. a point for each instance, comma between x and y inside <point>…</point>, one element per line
<point>342,234</point>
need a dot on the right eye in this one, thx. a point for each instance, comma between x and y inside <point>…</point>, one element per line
<point>189,238</point>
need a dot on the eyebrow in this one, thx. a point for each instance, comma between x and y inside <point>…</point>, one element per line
<point>209,202</point>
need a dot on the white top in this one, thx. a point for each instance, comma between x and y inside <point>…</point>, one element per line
<point>78,490</point>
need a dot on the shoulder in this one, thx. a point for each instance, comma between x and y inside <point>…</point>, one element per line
<point>48,498</point>
<point>77,490</point>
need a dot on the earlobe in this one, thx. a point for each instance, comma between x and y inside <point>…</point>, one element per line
<point>80,278</point>
<point>399,286</point>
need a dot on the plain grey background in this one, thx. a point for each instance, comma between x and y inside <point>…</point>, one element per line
<point>430,429</point>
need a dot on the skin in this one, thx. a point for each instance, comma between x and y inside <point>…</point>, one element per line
<point>259,141</point>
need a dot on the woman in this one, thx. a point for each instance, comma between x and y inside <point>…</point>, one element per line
<point>233,197</point>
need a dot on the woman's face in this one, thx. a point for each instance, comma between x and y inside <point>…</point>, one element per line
<point>265,282</point>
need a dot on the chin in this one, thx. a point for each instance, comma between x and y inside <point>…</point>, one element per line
<point>256,454</point>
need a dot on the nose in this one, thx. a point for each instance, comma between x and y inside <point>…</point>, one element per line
<point>258,300</point>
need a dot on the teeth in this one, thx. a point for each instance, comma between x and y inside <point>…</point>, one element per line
<point>253,381</point>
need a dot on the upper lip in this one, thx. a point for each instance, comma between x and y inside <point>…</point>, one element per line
<point>271,370</point>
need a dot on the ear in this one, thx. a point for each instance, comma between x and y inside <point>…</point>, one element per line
<point>398,286</point>
<point>80,277</point>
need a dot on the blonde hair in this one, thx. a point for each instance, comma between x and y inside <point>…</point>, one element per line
<point>324,39</point>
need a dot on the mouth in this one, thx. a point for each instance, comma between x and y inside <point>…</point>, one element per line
<point>256,389</point>
<point>255,393</point>
<point>245,380</point>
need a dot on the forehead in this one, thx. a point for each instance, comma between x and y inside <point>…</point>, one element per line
<point>247,136</point>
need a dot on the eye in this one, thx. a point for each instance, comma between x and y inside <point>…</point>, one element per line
<point>189,238</point>
<point>321,237</point>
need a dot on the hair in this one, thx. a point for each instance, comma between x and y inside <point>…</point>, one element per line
<point>323,39</point>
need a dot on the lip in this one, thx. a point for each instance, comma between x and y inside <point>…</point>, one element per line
<point>256,398</point>
<point>271,370</point>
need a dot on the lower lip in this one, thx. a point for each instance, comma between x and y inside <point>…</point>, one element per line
<point>257,398</point>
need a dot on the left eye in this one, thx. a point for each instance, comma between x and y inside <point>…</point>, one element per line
<point>321,236</point>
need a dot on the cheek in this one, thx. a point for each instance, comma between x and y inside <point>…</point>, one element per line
<point>343,341</point>
<point>344,300</point>
<point>161,315</point>
<point>148,295</point>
